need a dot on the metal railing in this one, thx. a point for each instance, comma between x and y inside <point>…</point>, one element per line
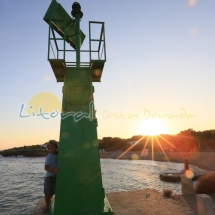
<point>55,52</point>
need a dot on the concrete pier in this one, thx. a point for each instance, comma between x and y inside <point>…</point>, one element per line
<point>205,205</point>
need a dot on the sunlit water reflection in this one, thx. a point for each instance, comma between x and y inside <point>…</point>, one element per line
<point>22,180</point>
<point>122,175</point>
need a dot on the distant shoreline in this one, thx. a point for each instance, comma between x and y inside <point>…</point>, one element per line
<point>25,153</point>
<point>203,160</point>
<point>131,155</point>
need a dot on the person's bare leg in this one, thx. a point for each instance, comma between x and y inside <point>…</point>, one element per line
<point>48,200</point>
<point>50,197</point>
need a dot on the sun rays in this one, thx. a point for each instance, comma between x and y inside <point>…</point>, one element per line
<point>153,131</point>
<point>160,148</point>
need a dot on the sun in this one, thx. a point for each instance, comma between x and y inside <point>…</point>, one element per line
<point>47,101</point>
<point>152,127</point>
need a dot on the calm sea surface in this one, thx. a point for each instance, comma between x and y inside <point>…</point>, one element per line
<point>21,180</point>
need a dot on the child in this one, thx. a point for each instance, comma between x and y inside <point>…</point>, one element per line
<point>51,171</point>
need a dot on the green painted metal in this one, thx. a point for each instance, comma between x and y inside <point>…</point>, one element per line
<point>100,40</point>
<point>62,23</point>
<point>79,183</point>
<point>59,68</point>
<point>96,64</point>
<point>96,67</point>
<point>79,189</point>
<point>78,54</point>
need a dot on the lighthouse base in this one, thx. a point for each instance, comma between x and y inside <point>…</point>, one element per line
<point>107,210</point>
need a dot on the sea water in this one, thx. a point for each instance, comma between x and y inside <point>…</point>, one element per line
<point>21,180</point>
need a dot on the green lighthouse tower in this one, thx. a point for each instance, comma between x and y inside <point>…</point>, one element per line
<point>79,189</point>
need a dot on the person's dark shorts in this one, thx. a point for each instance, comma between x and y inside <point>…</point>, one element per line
<point>49,185</point>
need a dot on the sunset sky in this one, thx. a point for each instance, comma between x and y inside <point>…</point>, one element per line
<point>159,75</point>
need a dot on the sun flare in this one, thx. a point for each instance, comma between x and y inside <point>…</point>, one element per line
<point>152,127</point>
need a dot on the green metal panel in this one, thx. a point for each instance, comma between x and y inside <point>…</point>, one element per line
<point>62,23</point>
<point>96,67</point>
<point>79,184</point>
<point>58,67</point>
